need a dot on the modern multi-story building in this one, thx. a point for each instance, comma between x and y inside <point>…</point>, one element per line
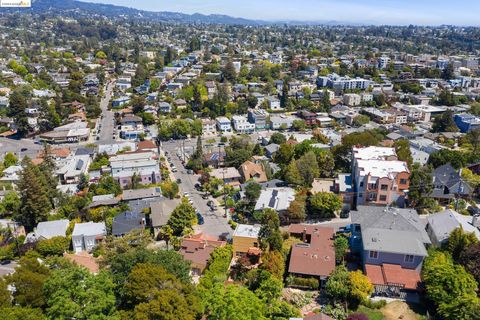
<point>389,116</point>
<point>340,83</point>
<point>467,122</point>
<point>259,118</point>
<point>241,124</point>
<point>352,99</point>
<point>379,178</point>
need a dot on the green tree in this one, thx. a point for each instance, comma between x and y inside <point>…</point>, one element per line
<point>252,192</point>
<point>338,285</point>
<point>182,218</point>
<point>5,297</point>
<point>16,110</point>
<point>274,263</point>
<point>28,281</point>
<point>229,72</point>
<point>269,234</point>
<point>293,175</point>
<point>284,155</point>
<point>421,186</point>
<point>474,138</point>
<point>166,304</point>
<point>35,204</point>
<point>278,138</point>
<point>402,148</point>
<point>325,205</point>
<point>74,293</point>
<point>10,204</point>
<point>22,313</point>
<point>459,240</point>
<point>444,123</point>
<point>341,246</point>
<point>233,302</point>
<point>360,285</point>
<point>55,246</point>
<point>9,160</point>
<point>308,167</point>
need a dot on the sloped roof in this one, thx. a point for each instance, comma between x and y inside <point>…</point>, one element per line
<point>391,274</point>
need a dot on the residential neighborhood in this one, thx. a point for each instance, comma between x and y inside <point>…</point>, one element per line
<point>160,165</point>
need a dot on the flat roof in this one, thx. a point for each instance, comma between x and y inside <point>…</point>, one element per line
<point>247,231</point>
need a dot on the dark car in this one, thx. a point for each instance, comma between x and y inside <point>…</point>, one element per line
<point>179,180</point>
<point>23,149</point>
<point>200,218</point>
<point>4,262</point>
<point>473,211</point>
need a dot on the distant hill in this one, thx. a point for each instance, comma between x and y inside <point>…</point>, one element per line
<point>79,8</point>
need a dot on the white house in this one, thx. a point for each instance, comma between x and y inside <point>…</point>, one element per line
<point>241,124</point>
<point>86,235</point>
<point>224,124</point>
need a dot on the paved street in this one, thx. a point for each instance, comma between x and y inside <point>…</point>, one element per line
<point>106,124</point>
<point>16,146</point>
<point>215,224</point>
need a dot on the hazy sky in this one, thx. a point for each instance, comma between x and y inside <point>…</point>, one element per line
<point>424,12</point>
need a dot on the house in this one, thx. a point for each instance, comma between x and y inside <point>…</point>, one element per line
<point>245,240</point>
<point>126,222</point>
<point>160,212</point>
<point>164,107</point>
<point>253,171</point>
<point>11,174</point>
<point>48,229</point>
<point>271,149</point>
<point>73,168</point>
<point>229,175</point>
<point>310,118</point>
<point>278,199</point>
<point>85,236</point>
<point>148,146</point>
<point>142,194</point>
<point>211,88</point>
<point>241,124</point>
<point>322,185</point>
<point>224,125</point>
<point>352,99</point>
<point>344,188</point>
<point>378,177</point>
<point>441,224</point>
<point>315,255</point>
<point>208,126</point>
<point>274,103</point>
<point>142,165</point>
<point>258,118</point>
<point>116,103</point>
<point>281,122</point>
<point>197,249</point>
<point>392,243</point>
<point>448,184</point>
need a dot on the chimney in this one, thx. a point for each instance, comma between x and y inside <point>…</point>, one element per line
<point>304,234</point>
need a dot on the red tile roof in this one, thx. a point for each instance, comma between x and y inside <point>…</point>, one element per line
<point>316,258</point>
<point>393,274</point>
<point>146,144</point>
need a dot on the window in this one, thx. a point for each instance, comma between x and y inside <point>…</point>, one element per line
<point>255,244</point>
<point>383,198</point>
<point>373,254</point>
<point>361,184</point>
<point>409,258</point>
<point>384,187</point>
<point>403,181</point>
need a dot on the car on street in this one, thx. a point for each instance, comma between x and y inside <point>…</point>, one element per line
<point>5,262</point>
<point>179,181</point>
<point>200,218</point>
<point>23,149</point>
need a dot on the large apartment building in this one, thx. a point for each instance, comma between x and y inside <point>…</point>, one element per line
<point>379,177</point>
<point>336,82</point>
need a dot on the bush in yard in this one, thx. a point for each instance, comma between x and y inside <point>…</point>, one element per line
<point>55,246</point>
<point>357,316</point>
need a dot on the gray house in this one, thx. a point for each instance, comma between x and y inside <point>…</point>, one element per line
<point>441,224</point>
<point>86,235</point>
<point>128,221</point>
<point>47,230</point>
<point>392,244</point>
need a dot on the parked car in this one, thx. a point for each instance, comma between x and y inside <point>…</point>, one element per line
<point>179,181</point>
<point>200,218</point>
<point>473,211</point>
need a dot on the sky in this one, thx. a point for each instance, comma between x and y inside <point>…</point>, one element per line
<point>393,12</point>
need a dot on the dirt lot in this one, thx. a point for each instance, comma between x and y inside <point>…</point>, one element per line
<point>399,310</point>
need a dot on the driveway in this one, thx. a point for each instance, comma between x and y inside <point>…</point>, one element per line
<point>215,224</point>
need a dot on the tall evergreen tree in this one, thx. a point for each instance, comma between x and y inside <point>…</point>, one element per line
<point>35,203</point>
<point>16,110</point>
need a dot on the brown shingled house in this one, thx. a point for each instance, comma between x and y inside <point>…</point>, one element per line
<point>315,256</point>
<point>253,171</point>
<point>197,249</point>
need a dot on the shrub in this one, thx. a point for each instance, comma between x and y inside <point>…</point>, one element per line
<point>55,246</point>
<point>374,304</point>
<point>357,316</point>
<point>310,283</point>
<point>232,224</point>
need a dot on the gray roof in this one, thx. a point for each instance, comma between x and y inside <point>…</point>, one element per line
<point>125,222</point>
<point>393,241</point>
<point>89,229</point>
<point>50,229</point>
<point>161,210</point>
<point>391,230</point>
<point>442,224</point>
<point>141,194</point>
